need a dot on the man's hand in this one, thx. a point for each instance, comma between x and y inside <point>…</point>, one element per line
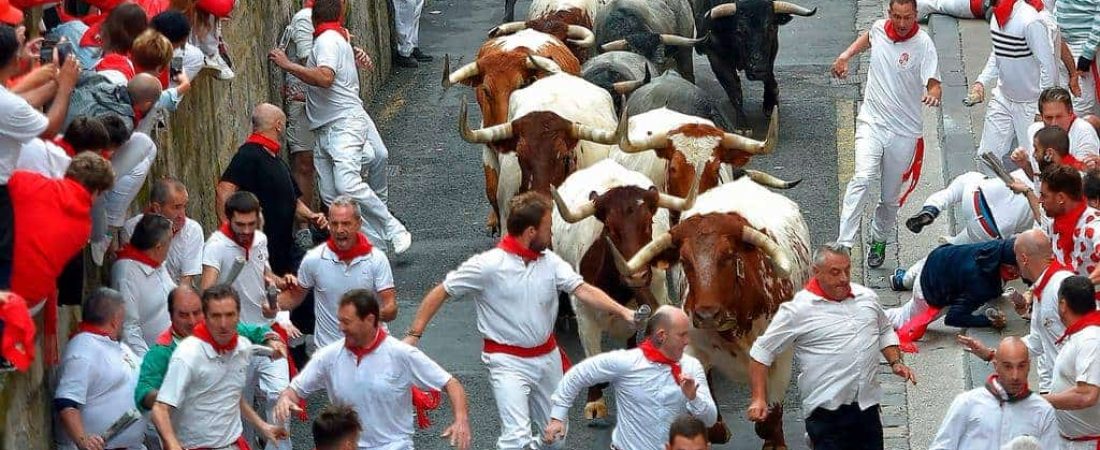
<point>319,220</point>
<point>627,315</point>
<point>33,48</point>
<point>840,67</point>
<point>758,410</point>
<point>974,346</point>
<point>278,348</point>
<point>459,434</point>
<point>90,442</point>
<point>292,332</point>
<point>1091,161</point>
<point>931,98</point>
<point>69,75</point>
<point>688,386</point>
<point>554,430</point>
<point>1075,84</point>
<point>977,92</point>
<point>284,407</point>
<point>903,371</point>
<point>278,56</point>
<point>267,311</point>
<point>274,433</point>
<point>1019,187</point>
<point>362,59</point>
<point>1019,156</point>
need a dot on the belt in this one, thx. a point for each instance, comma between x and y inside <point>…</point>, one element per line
<point>1084,439</point>
<point>241,444</point>
<point>491,346</point>
<point>985,215</point>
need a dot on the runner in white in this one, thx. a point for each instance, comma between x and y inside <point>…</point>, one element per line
<point>140,276</point>
<point>653,384</point>
<point>168,197</point>
<point>515,287</point>
<point>961,9</point>
<point>1073,227</point>
<point>987,206</point>
<point>1056,108</point>
<point>376,375</point>
<point>406,16</point>
<point>1076,387</point>
<point>903,75</point>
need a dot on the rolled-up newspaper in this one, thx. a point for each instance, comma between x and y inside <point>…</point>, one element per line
<point>231,275</point>
<point>994,164</point>
<point>128,418</point>
<point>641,316</point>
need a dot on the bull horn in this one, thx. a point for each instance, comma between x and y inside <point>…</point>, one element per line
<point>507,28</point>
<point>753,146</point>
<point>464,72</point>
<point>484,135</point>
<point>679,204</point>
<point>780,262</point>
<point>615,45</point>
<point>765,179</point>
<point>626,87</point>
<point>643,257</point>
<point>587,133</point>
<point>569,214</point>
<point>581,36</point>
<point>720,11</point>
<point>536,62</point>
<point>680,41</point>
<point>792,8</point>
<point>659,140</point>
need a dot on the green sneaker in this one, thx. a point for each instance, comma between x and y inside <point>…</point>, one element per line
<point>876,255</point>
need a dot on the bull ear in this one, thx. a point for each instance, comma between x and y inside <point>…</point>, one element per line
<point>592,196</point>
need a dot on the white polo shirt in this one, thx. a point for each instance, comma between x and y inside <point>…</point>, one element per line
<point>1083,141</point>
<point>1046,328</point>
<point>327,105</point>
<point>647,398</point>
<point>838,346</point>
<point>19,123</point>
<point>145,291</point>
<point>330,278</point>
<point>978,421</point>
<point>185,253</point>
<point>100,374</point>
<point>205,388</point>
<point>221,252</point>
<point>378,387</point>
<point>896,81</point>
<point>517,303</point>
<point>1079,362</point>
<point>44,157</point>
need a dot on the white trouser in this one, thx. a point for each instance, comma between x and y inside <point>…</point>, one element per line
<point>1005,121</point>
<point>883,155</point>
<point>522,389</point>
<point>351,160</point>
<point>953,8</point>
<point>406,14</point>
<point>131,163</point>
<point>1078,445</point>
<point>954,194</point>
<point>1086,103</point>
<point>916,304</point>
<point>270,377</point>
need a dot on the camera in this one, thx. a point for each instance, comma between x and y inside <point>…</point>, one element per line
<point>176,66</point>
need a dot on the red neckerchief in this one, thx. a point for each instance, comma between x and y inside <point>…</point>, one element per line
<point>334,26</point>
<point>117,62</point>
<point>1004,9</point>
<point>1092,319</point>
<point>128,251</point>
<point>651,353</point>
<point>360,352</point>
<point>1054,267</point>
<point>512,245</point>
<point>85,327</point>
<point>268,144</point>
<point>65,145</point>
<point>246,244</point>
<point>138,115</point>
<point>1001,394</point>
<point>1064,226</point>
<point>1072,161</point>
<point>815,288</point>
<point>90,38</point>
<point>893,33</point>
<point>362,247</point>
<point>204,334</point>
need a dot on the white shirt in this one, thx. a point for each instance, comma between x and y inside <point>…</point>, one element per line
<point>330,279</point>
<point>185,253</point>
<point>327,105</point>
<point>100,374</point>
<point>1079,362</point>
<point>647,398</point>
<point>378,387</point>
<point>300,44</point>
<point>1046,328</point>
<point>1022,56</point>
<point>19,123</point>
<point>44,157</point>
<point>517,303</point>
<point>978,421</point>
<point>205,388</point>
<point>898,75</point>
<point>221,252</point>
<point>145,291</point>
<point>1085,254</point>
<point>837,344</point>
<point>1083,141</point>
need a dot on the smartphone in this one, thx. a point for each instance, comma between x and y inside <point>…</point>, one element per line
<point>45,54</point>
<point>272,297</point>
<point>176,67</point>
<point>64,49</point>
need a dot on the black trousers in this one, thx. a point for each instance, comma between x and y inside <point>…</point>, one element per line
<point>7,237</point>
<point>846,428</point>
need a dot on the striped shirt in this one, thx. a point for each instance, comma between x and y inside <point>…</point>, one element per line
<point>1022,56</point>
<point>1079,21</point>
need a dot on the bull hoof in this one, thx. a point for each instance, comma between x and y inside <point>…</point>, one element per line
<point>595,410</point>
<point>719,433</point>
<point>492,224</point>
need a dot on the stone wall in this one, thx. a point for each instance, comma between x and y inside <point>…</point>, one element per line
<point>195,146</point>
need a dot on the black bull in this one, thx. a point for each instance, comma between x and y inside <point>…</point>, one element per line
<point>744,36</point>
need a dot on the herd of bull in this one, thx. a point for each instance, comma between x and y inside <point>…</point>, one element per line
<point>652,199</point>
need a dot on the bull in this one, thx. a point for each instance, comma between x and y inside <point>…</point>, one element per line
<point>567,20</point>
<point>538,6</point>
<point>743,36</point>
<point>672,91</point>
<point>617,72</point>
<point>660,30</point>
<point>607,200</point>
<point>743,250</point>
<point>502,66</point>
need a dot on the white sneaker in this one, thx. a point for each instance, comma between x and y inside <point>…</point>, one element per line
<point>217,63</point>
<point>99,250</point>
<point>401,242</point>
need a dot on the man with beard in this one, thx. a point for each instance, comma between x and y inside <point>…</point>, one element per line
<point>1051,147</point>
<point>1071,224</point>
<point>168,197</point>
<point>1056,109</point>
<point>515,287</point>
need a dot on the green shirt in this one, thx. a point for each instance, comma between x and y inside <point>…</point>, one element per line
<point>155,364</point>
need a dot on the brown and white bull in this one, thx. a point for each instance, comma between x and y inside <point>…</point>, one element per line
<point>601,203</point>
<point>555,126</point>
<point>502,67</point>
<point>744,250</point>
<point>567,20</point>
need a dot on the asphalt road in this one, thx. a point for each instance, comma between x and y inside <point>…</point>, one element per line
<point>436,187</point>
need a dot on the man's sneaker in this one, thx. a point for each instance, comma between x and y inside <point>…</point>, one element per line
<point>224,72</point>
<point>924,218</point>
<point>897,280</point>
<point>401,242</point>
<point>420,56</point>
<point>876,255</point>
<point>405,61</point>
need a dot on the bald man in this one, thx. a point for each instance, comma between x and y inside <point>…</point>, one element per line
<point>657,371</point>
<point>989,417</point>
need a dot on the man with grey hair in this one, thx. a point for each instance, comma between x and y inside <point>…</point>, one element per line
<point>657,371</point>
<point>143,281</point>
<point>168,197</point>
<point>97,379</point>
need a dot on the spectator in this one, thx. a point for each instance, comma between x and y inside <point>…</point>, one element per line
<point>1076,20</point>
<point>653,383</point>
<point>386,409</point>
<point>123,24</point>
<point>336,428</point>
<point>687,433</point>
<point>140,275</point>
<point>406,15</point>
<point>1091,186</point>
<point>168,197</point>
<point>97,379</point>
<point>205,411</point>
<point>299,137</point>
<point>1076,388</point>
<point>347,137</point>
<point>1056,109</point>
<point>205,17</point>
<point>51,158</point>
<point>990,416</point>
<point>152,54</point>
<point>174,26</point>
<point>97,96</point>
<point>72,28</point>
<point>839,383</point>
<point>1072,225</point>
